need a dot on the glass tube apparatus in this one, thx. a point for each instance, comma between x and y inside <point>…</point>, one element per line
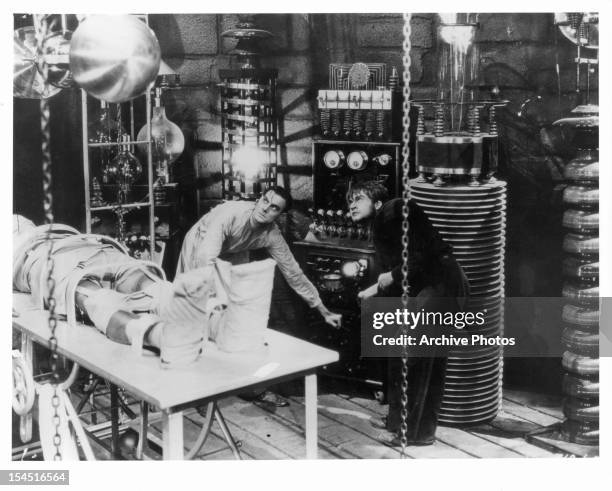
<point>457,133</point>
<point>249,129</point>
<point>456,158</point>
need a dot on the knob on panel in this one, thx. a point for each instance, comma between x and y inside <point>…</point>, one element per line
<point>383,159</point>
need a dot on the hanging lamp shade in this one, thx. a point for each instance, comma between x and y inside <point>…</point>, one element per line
<point>166,76</point>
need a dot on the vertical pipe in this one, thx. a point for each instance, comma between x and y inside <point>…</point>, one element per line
<point>150,173</point>
<point>85,161</point>
<point>132,133</point>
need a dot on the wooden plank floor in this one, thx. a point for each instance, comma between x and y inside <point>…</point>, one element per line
<point>345,430</point>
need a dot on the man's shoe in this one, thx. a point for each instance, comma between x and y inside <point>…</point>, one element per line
<point>267,397</point>
<point>395,442</point>
<point>380,396</point>
<point>273,399</point>
<point>379,423</point>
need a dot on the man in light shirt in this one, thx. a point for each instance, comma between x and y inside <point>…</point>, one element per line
<point>233,228</point>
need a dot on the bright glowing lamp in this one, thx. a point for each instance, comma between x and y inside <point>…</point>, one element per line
<point>248,162</point>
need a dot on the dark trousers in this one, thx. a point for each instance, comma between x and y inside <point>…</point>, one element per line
<point>425,382</point>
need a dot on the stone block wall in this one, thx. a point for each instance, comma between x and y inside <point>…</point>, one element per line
<point>518,53</point>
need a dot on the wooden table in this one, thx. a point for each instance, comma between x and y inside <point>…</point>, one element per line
<point>214,376</point>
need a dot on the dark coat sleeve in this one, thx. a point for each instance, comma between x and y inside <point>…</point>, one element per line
<point>430,258</point>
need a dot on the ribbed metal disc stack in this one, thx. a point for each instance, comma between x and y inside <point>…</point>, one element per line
<point>473,220</point>
<point>580,336</point>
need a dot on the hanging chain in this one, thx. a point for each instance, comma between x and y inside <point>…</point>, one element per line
<point>41,25</point>
<point>405,225</point>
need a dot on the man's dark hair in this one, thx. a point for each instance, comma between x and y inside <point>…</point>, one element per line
<point>374,190</point>
<point>283,193</point>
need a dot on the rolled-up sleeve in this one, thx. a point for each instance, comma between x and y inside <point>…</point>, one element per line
<point>280,252</point>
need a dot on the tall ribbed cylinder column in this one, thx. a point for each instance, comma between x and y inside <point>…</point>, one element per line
<point>473,220</point>
<point>580,317</point>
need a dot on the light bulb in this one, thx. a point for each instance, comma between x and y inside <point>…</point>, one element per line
<point>167,142</point>
<point>249,161</point>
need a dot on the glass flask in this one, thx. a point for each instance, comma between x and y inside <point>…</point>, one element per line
<point>168,142</point>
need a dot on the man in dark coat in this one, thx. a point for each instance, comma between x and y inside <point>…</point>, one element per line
<point>434,276</point>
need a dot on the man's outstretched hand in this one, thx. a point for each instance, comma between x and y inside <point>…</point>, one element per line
<point>369,292</point>
<point>385,280</point>
<point>334,320</point>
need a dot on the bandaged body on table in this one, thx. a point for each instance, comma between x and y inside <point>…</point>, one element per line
<point>227,304</point>
<point>211,326</point>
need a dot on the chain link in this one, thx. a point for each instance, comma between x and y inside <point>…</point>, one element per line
<point>405,224</point>
<point>41,25</point>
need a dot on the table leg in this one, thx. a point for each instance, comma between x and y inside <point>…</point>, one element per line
<point>310,382</point>
<point>172,435</point>
<point>226,432</point>
<point>114,402</point>
<point>143,429</point>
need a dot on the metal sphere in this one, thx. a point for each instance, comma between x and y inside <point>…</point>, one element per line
<point>114,57</point>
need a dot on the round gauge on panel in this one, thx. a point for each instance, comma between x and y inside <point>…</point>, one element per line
<point>383,159</point>
<point>333,159</point>
<point>357,160</point>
